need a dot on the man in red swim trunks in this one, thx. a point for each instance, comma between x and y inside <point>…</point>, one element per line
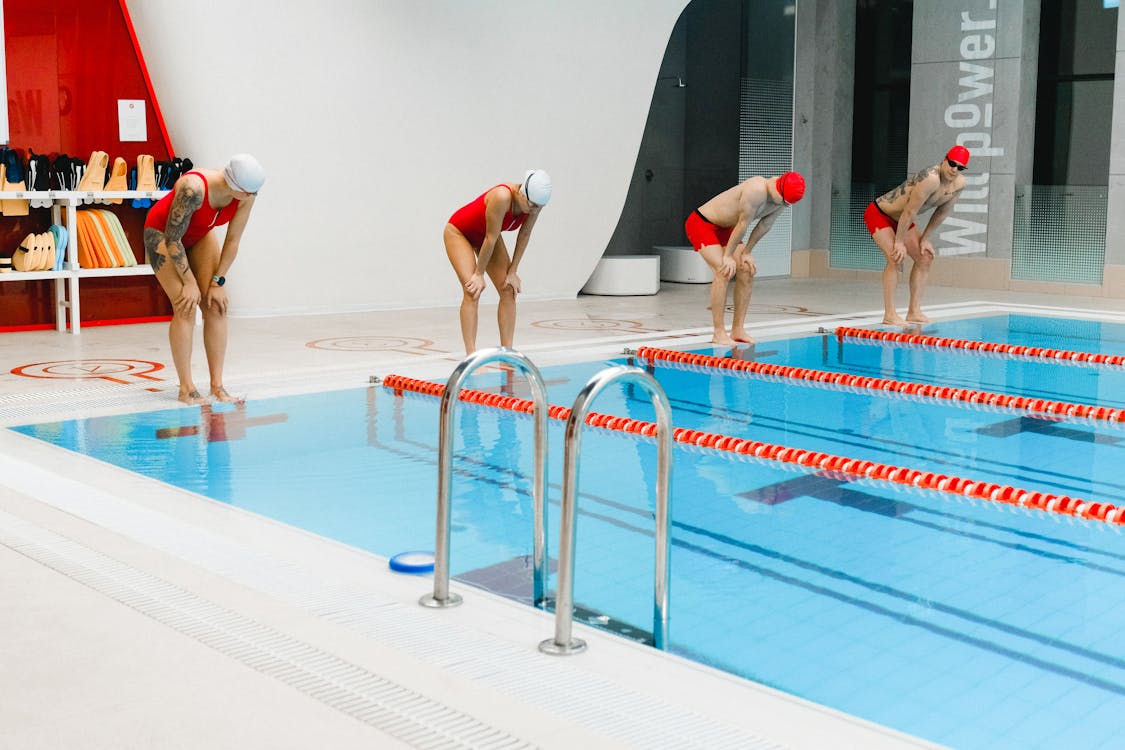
<point>717,231</point>
<point>890,220</point>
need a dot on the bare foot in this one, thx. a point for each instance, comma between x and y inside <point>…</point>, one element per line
<point>895,321</point>
<point>193,397</point>
<point>742,337</point>
<point>722,339</point>
<point>917,317</point>
<point>223,395</point>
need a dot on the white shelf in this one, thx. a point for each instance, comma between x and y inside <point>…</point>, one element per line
<point>139,270</point>
<point>34,275</point>
<point>67,297</point>
<point>31,194</point>
<point>91,197</point>
<point>65,195</point>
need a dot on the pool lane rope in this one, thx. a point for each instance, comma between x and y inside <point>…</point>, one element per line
<point>1037,352</point>
<point>1037,406</point>
<point>841,467</point>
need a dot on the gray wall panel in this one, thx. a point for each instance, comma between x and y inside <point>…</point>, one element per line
<point>973,68</point>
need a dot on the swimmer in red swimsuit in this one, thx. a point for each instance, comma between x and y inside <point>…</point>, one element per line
<point>717,230</point>
<point>475,247</point>
<point>890,219</point>
<point>184,253</point>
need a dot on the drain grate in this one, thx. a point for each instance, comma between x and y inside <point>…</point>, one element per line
<point>518,671</point>
<point>346,687</point>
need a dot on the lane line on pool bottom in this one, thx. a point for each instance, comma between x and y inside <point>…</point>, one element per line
<point>992,347</point>
<point>1036,406</point>
<point>841,467</point>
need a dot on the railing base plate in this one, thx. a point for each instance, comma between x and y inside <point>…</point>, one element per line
<point>431,601</point>
<point>576,646</point>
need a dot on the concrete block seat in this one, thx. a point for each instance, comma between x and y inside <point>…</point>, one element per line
<point>683,264</point>
<point>625,275</point>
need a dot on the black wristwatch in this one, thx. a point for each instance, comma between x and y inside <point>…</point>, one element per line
<point>218,280</point>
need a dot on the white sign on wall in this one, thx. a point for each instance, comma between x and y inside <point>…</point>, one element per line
<point>131,124</point>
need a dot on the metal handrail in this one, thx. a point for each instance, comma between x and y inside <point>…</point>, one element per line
<point>563,643</point>
<point>441,596</point>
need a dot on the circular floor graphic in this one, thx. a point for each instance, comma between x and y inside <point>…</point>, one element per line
<point>114,370</point>
<point>589,324</point>
<point>373,344</point>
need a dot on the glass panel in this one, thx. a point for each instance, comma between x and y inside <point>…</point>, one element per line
<point>850,244</point>
<point>1059,233</point>
<point>765,147</point>
<point>765,133</point>
<point>1074,94</point>
<point>881,127</point>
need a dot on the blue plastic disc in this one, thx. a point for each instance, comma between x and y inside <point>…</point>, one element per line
<point>413,562</point>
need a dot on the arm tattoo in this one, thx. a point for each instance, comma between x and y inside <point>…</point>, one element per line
<point>187,201</point>
<point>153,238</point>
<point>175,252</point>
<point>902,189</point>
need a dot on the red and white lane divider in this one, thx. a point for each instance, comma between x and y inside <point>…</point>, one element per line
<point>841,467</point>
<point>1036,352</point>
<point>1040,406</point>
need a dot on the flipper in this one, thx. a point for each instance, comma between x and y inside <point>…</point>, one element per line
<point>118,178</point>
<point>93,178</point>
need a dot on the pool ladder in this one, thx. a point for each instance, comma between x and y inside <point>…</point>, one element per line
<point>563,642</point>
<point>441,596</point>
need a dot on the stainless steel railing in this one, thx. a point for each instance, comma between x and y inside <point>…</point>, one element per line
<point>563,642</point>
<point>441,596</point>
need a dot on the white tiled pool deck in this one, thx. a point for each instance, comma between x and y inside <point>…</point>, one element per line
<point>138,615</point>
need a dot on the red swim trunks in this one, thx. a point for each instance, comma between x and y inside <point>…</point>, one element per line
<point>875,219</point>
<point>701,232</point>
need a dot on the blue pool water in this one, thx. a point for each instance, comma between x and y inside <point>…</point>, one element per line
<point>971,624</point>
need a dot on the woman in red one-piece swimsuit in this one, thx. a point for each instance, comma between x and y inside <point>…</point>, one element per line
<point>185,256</point>
<point>475,247</point>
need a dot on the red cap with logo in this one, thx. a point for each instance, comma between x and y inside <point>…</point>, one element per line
<point>959,154</point>
<point>791,186</point>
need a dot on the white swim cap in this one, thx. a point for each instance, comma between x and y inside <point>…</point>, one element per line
<point>244,174</point>
<point>537,186</point>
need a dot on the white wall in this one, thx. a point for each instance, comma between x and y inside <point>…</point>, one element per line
<point>376,119</point>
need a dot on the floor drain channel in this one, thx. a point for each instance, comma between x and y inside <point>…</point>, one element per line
<point>345,687</point>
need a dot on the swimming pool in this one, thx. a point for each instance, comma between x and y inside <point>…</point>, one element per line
<point>972,624</point>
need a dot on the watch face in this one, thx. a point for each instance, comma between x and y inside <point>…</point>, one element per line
<point>220,280</point>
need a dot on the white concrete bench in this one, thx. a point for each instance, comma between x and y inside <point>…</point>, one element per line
<point>625,275</point>
<point>681,263</point>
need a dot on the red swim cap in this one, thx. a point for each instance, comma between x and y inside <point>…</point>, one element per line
<point>791,185</point>
<point>959,154</point>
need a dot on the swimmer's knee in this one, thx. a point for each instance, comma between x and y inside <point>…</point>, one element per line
<point>211,313</point>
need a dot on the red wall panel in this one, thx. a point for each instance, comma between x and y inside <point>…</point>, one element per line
<point>68,62</point>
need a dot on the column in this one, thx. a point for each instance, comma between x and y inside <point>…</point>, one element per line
<point>973,75</point>
<point>1114,279</point>
<point>824,72</point>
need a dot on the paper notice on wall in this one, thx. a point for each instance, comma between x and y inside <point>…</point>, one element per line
<point>131,120</point>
